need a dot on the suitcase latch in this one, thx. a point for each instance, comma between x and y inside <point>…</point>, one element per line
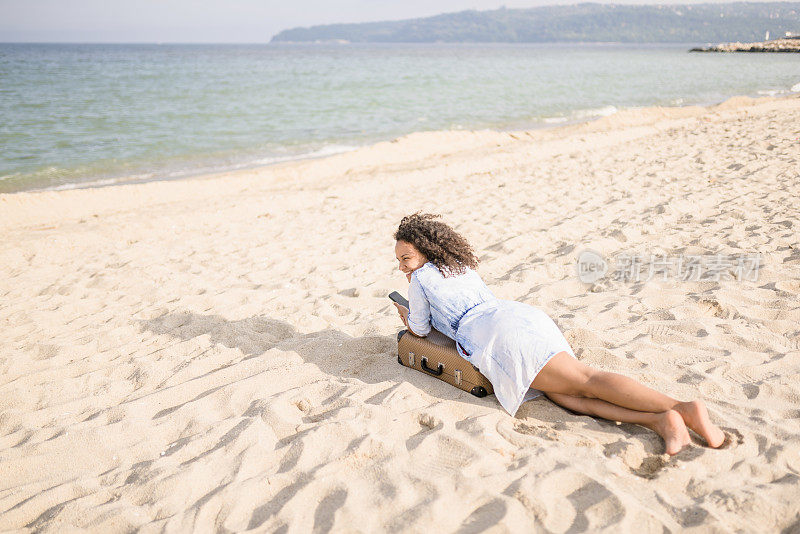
<point>411,358</point>
<point>457,372</point>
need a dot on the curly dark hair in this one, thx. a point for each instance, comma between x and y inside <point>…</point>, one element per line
<point>443,246</point>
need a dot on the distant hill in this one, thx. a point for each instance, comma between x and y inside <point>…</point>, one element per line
<point>700,23</point>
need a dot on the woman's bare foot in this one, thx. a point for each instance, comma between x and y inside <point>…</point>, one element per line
<point>695,415</point>
<point>670,426</point>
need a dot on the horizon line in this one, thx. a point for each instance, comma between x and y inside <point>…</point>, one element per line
<point>334,42</point>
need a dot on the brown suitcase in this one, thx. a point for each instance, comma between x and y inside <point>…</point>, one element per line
<point>436,355</point>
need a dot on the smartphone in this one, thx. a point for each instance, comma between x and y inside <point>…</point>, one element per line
<point>398,298</point>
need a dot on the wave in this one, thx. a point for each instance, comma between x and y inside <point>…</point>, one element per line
<point>579,115</point>
<point>196,170</point>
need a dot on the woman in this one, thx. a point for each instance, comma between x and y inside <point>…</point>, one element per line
<point>517,346</point>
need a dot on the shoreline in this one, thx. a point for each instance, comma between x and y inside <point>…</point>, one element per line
<point>256,167</point>
<point>245,167</point>
<point>44,207</point>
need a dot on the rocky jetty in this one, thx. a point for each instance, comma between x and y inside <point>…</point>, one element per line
<point>787,44</point>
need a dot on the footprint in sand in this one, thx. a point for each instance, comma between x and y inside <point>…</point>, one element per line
<point>543,432</point>
<point>732,438</point>
<point>637,460</point>
<point>790,286</point>
<point>577,503</point>
<point>713,308</point>
<point>661,333</point>
<point>688,516</point>
<point>650,467</point>
<point>428,421</point>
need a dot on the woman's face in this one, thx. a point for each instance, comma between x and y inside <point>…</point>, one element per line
<point>409,257</point>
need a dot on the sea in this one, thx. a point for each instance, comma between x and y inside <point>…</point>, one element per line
<point>90,115</point>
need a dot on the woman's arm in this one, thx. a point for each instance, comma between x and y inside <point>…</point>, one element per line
<point>418,318</point>
<point>403,311</point>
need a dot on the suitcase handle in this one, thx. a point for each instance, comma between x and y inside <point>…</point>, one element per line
<point>425,367</point>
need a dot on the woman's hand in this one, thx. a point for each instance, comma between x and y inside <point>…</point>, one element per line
<point>403,311</point>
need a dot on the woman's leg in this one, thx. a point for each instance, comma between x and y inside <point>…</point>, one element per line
<point>668,424</point>
<point>565,374</point>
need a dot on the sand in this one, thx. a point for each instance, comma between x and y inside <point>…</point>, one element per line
<point>218,354</point>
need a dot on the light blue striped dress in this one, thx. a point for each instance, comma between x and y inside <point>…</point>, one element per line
<point>508,341</point>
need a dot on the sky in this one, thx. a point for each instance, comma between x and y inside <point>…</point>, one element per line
<point>217,21</point>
